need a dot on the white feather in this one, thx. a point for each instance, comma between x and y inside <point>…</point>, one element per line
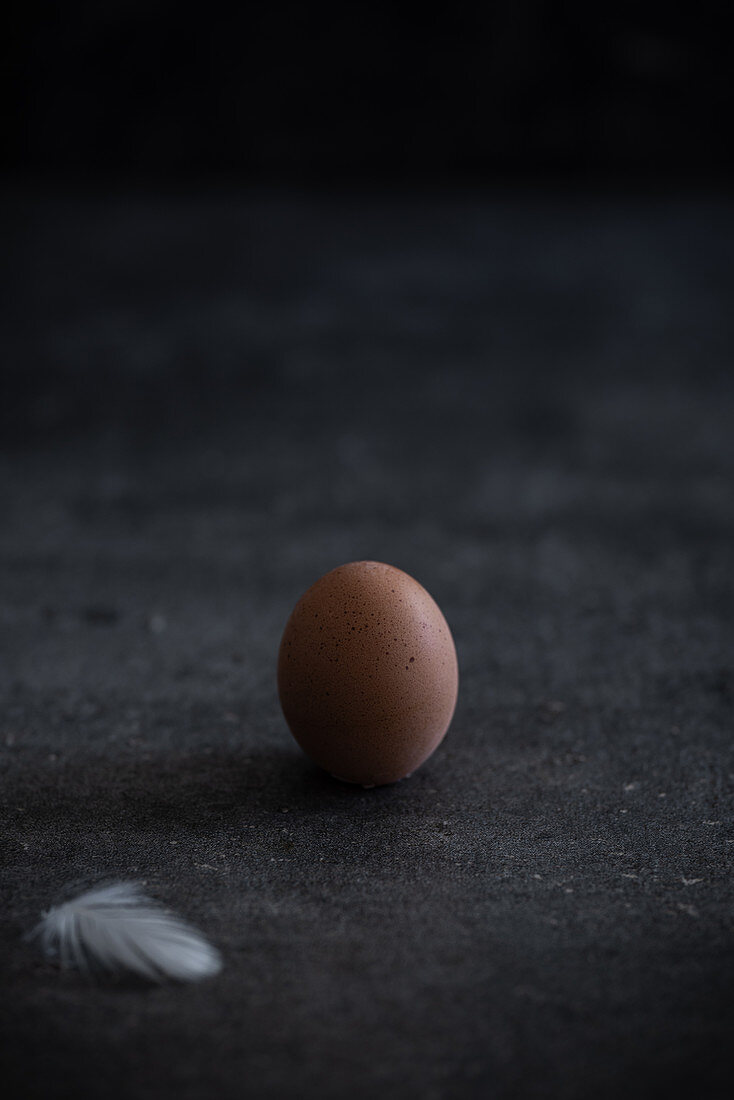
<point>118,928</point>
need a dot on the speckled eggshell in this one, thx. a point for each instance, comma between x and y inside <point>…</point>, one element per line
<point>367,673</point>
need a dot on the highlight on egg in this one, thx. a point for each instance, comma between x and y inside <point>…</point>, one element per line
<point>367,673</point>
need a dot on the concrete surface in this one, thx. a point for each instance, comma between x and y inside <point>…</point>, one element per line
<point>527,404</point>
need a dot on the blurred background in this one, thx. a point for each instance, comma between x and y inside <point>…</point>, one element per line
<point>452,289</point>
<point>288,93</point>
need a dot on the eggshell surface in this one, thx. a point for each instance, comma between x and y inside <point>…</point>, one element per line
<point>367,673</point>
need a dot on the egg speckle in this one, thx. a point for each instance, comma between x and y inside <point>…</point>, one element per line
<point>367,673</point>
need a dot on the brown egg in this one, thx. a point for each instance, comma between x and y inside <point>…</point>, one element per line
<point>367,673</point>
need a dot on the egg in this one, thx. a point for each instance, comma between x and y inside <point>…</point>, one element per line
<point>367,673</point>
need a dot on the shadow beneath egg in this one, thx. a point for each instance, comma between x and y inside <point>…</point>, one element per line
<point>191,790</point>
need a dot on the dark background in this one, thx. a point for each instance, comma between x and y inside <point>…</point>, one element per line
<point>284,289</point>
<point>292,93</point>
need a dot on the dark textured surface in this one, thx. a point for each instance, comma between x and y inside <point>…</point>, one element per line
<point>528,406</point>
